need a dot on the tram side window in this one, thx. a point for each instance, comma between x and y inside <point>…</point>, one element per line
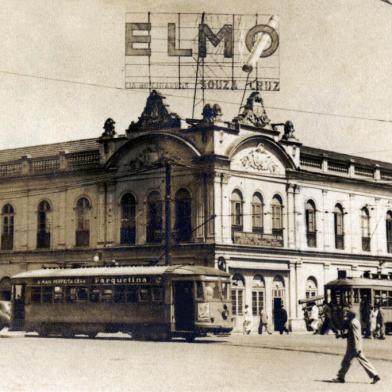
<point>389,298</point>
<point>144,293</point>
<point>58,294</point>
<point>119,294</point>
<point>94,294</point>
<point>82,294</point>
<point>36,295</point>
<point>199,290</point>
<point>70,294</point>
<point>132,295</point>
<point>107,295</point>
<point>47,295</point>
<point>157,294</point>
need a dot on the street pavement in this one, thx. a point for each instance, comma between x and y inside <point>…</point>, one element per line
<point>114,362</point>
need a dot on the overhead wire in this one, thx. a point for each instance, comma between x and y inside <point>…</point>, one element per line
<point>142,91</point>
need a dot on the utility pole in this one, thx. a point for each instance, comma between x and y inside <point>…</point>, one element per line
<point>167,212</point>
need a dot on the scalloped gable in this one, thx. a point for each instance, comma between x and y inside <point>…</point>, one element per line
<point>256,156</point>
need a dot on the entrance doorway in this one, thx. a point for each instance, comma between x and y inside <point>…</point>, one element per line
<point>184,307</point>
<point>276,306</point>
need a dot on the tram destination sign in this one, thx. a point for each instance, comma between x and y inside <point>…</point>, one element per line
<point>104,280</point>
<point>209,51</point>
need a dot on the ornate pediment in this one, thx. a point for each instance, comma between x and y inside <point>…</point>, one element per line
<point>258,159</point>
<point>155,115</point>
<point>254,113</point>
<point>153,156</point>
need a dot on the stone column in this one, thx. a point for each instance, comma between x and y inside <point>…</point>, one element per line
<point>101,215</point>
<point>325,222</point>
<point>376,220</point>
<point>295,316</point>
<point>62,211</point>
<point>352,236</point>
<point>291,216</point>
<point>199,207</point>
<point>110,211</point>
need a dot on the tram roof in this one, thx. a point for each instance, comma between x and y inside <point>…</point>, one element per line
<point>121,270</point>
<point>361,282</point>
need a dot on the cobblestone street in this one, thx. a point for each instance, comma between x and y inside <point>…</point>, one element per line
<point>298,362</point>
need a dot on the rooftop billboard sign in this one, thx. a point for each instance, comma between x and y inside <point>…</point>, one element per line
<point>173,51</point>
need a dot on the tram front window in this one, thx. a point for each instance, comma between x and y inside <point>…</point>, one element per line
<point>340,297</point>
<point>212,290</point>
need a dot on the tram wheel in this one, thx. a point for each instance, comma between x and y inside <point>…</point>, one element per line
<point>92,335</point>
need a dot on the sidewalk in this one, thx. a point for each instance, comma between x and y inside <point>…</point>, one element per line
<point>307,342</point>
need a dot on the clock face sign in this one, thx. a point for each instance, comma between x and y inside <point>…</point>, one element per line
<point>164,51</point>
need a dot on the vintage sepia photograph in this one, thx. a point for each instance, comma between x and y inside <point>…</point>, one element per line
<point>195,196</point>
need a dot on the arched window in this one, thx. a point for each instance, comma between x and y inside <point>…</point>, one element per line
<point>388,223</point>
<point>365,229</point>
<point>83,209</point>
<point>277,215</point>
<point>237,294</point>
<point>128,219</point>
<point>339,226</point>
<point>154,217</point>
<point>7,236</point>
<point>183,224</point>
<point>257,213</point>
<point>310,220</point>
<point>311,287</point>
<point>43,225</point>
<point>258,294</point>
<point>236,210</point>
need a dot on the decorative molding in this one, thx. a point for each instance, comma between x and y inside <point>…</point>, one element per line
<point>260,160</point>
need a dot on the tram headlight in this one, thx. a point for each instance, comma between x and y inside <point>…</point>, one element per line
<point>203,310</point>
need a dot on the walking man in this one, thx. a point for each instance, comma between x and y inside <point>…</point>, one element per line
<point>264,322</point>
<point>354,350</point>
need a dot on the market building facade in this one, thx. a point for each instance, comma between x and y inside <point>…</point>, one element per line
<point>244,195</point>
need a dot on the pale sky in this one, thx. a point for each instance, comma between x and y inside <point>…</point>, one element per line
<point>335,57</point>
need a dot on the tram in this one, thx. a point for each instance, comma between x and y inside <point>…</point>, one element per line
<point>367,290</point>
<point>148,302</point>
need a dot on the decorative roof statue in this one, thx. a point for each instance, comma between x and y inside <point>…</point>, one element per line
<point>289,131</point>
<point>109,128</point>
<point>254,112</point>
<point>211,113</point>
<point>155,115</point>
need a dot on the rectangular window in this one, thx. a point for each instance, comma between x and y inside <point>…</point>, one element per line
<point>107,295</point>
<point>95,294</point>
<point>82,293</point>
<point>157,294</point>
<point>70,294</point>
<point>47,295</point>
<point>119,294</point>
<point>257,217</point>
<point>389,298</point>
<point>225,290</point>
<point>237,302</point>
<point>199,290</point>
<point>36,295</point>
<point>132,295</point>
<point>212,290</point>
<point>58,294</point>
<point>257,302</point>
<point>144,293</point>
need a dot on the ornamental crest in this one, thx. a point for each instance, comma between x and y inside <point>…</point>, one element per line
<point>151,157</point>
<point>259,159</point>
